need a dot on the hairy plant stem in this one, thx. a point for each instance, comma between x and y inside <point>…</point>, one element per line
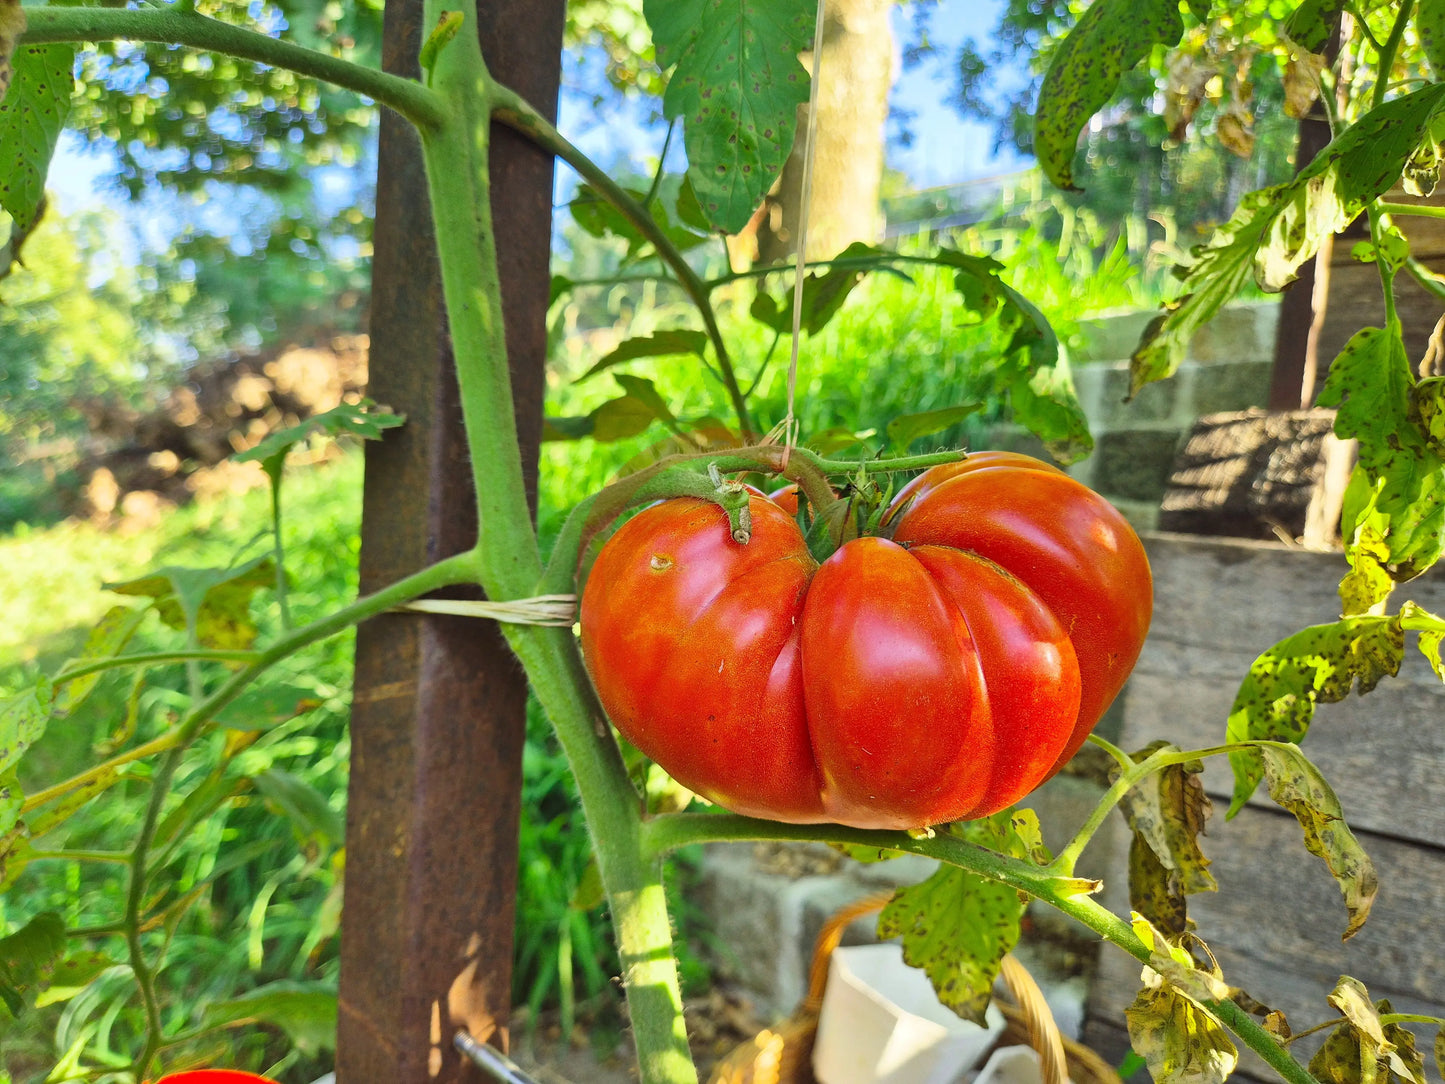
<point>1065,893</point>
<point>508,561</point>
<point>180,27</point>
<point>515,112</point>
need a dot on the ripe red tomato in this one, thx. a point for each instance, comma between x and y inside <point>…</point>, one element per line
<point>214,1076</point>
<point>891,687</point>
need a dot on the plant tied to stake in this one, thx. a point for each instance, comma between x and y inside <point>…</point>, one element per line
<point>938,676</point>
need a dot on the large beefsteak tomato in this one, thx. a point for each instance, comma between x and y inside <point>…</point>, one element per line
<point>938,676</point>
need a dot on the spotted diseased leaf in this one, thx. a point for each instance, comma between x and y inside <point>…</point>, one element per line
<point>28,957</point>
<point>660,344</point>
<point>1109,39</point>
<point>215,603</point>
<point>110,635</point>
<point>737,85</point>
<point>1275,230</point>
<point>23,718</point>
<point>1179,1040</point>
<point>1430,29</point>
<point>1369,581</point>
<point>1167,812</point>
<point>32,112</point>
<point>1317,665</point>
<point>1311,24</point>
<point>1364,1040</point>
<point>1370,385</point>
<point>72,975</point>
<point>1297,785</point>
<point>363,420</point>
<point>305,1011</point>
<point>958,926</point>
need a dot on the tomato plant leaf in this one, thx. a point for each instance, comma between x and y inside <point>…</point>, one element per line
<point>1032,370</point>
<point>737,85</point>
<point>262,707</point>
<point>1440,1051</point>
<point>1430,29</point>
<point>1362,1040</point>
<point>1180,1040</point>
<point>32,113</point>
<point>616,419</point>
<point>23,718</point>
<point>363,420</point>
<point>63,808</point>
<point>906,428</point>
<point>1298,786</point>
<point>1109,39</point>
<point>72,975</point>
<point>15,852</point>
<point>1317,665</point>
<point>12,799</point>
<point>1274,230</point>
<point>27,958</point>
<point>1167,812</point>
<point>958,926</point>
<point>305,1011</point>
<point>12,25</point>
<point>659,344</point>
<point>1310,25</point>
<point>111,633</point>
<point>212,602</point>
<point>1369,384</point>
<point>317,826</point>
<point>1200,9</point>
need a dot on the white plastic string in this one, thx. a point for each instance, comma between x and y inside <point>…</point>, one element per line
<point>790,422</point>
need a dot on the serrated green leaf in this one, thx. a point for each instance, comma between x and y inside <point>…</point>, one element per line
<point>1369,385</point>
<point>32,114</point>
<point>1310,24</point>
<point>1297,785</point>
<point>23,718</point>
<point>659,344</point>
<point>1273,231</point>
<point>906,428</point>
<point>1430,29</point>
<point>316,824</point>
<point>737,86</point>
<point>645,391</point>
<point>72,975</point>
<point>363,420</point>
<point>306,1012</point>
<point>27,958</point>
<point>958,926</point>
<point>110,634</point>
<point>212,602</point>
<point>1317,665</point>
<point>1167,811</point>
<point>1108,40</point>
<point>1368,582</point>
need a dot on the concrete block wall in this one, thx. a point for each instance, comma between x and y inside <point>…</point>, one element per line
<point>1227,368</point>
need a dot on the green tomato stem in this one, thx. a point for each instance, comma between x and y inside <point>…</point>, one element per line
<point>515,112</point>
<point>153,658</point>
<point>1389,49</point>
<point>1067,894</point>
<point>1419,210</point>
<point>50,24</point>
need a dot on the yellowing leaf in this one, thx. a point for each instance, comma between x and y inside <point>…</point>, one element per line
<point>1297,785</point>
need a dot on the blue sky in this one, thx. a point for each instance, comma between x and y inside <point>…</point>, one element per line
<point>945,149</point>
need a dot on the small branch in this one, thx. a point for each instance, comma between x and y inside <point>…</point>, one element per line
<point>514,111</point>
<point>152,658</point>
<point>1419,210</point>
<point>80,856</point>
<point>1387,51</point>
<point>175,27</point>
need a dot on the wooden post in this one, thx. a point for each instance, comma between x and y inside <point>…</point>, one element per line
<point>438,714</point>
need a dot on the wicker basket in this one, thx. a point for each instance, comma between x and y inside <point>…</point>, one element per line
<point>784,1054</point>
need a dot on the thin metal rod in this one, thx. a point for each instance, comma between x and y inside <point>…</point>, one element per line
<point>490,1060</point>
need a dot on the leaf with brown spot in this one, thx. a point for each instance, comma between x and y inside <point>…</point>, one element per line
<point>958,926</point>
<point>1110,38</point>
<point>1317,665</point>
<point>1362,1040</point>
<point>12,25</point>
<point>1298,786</point>
<point>32,113</point>
<point>1181,1042</point>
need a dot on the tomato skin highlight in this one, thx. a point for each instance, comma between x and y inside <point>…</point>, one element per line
<point>1070,546</point>
<point>939,676</point>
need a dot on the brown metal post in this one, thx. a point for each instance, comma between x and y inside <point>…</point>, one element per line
<point>439,706</point>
